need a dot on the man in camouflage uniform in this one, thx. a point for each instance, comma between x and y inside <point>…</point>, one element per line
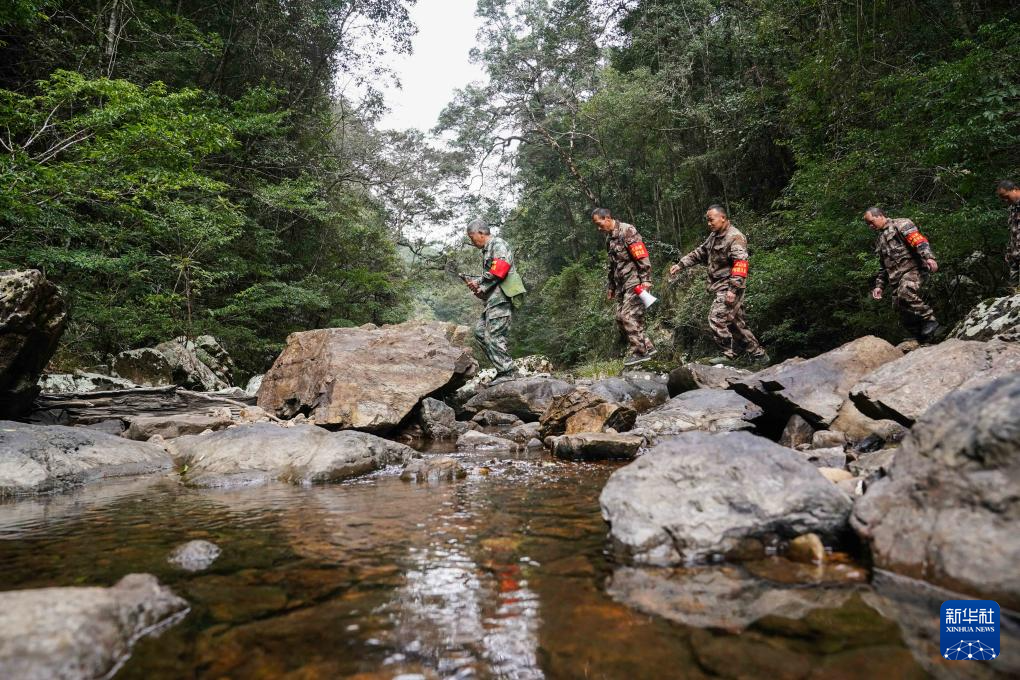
<point>1009,193</point>
<point>493,329</point>
<point>725,253</point>
<point>905,257</point>
<point>629,269</point>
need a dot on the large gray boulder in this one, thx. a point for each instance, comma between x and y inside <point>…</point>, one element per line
<point>995,319</point>
<point>716,597</point>
<point>698,495</point>
<point>43,458</point>
<point>438,420</point>
<point>596,446</point>
<point>258,453</point>
<point>79,633</point>
<point>949,509</point>
<point>702,376</point>
<point>32,317</point>
<point>706,410</point>
<point>177,362</point>
<point>367,378</point>
<point>584,410</point>
<point>638,390</point>
<point>526,398</point>
<point>815,388</point>
<point>903,390</point>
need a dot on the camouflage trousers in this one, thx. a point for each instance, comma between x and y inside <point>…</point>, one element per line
<point>729,325</point>
<point>492,332</point>
<point>907,301</point>
<point>1013,266</point>
<point>630,317</point>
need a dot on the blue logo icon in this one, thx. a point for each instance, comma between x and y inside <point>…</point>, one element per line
<point>969,630</point>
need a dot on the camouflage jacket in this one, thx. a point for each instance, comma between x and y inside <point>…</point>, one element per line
<point>629,265</point>
<point>725,253</point>
<point>1013,223</point>
<point>900,248</point>
<point>495,249</point>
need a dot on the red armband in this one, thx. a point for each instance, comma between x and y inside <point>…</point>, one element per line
<point>739,268</point>
<point>638,250</point>
<point>499,268</point>
<point>915,239</point>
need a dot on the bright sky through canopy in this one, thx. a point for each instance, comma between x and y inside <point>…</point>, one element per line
<point>438,66</point>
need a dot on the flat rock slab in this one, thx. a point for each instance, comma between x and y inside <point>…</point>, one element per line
<point>78,633</point>
<point>949,509</point>
<point>258,453</point>
<point>905,389</point>
<point>526,398</point>
<point>366,378</point>
<point>998,318</point>
<point>716,597</point>
<point>707,410</point>
<point>815,388</point>
<point>697,496</point>
<point>702,376</point>
<point>596,446</point>
<point>140,428</point>
<point>194,555</point>
<point>479,441</point>
<point>44,458</point>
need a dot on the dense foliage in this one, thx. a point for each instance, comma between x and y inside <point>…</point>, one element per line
<point>797,115</point>
<point>187,167</point>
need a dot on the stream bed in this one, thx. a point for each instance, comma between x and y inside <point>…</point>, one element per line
<point>504,574</point>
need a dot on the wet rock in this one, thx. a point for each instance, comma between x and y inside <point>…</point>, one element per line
<point>71,633</point>
<point>706,410</point>
<point>584,410</point>
<point>827,439</point>
<point>699,495</point>
<point>637,390</point>
<point>114,426</point>
<point>914,605</point>
<point>524,433</point>
<point>439,421</point>
<point>80,382</point>
<point>32,317</point>
<point>702,376</point>
<point>41,458</point>
<point>797,432</point>
<point>716,597</point>
<point>998,318</point>
<point>596,446</point>
<point>526,398</point>
<point>948,510</point>
<point>806,549</point>
<point>905,389</point>
<point>479,441</point>
<point>252,388</point>
<point>366,378</point>
<point>194,555</point>
<point>488,418</point>
<point>815,388</point>
<point>857,426</point>
<point>433,469</point>
<point>534,443</point>
<point>140,428</point>
<point>828,458</point>
<point>261,452</point>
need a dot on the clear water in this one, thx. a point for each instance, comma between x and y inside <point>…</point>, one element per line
<point>504,574</point>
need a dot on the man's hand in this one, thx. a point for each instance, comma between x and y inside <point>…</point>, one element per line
<point>932,265</point>
<point>647,286</point>
<point>473,285</point>
<point>731,297</point>
<point>675,269</point>
<point>610,295</point>
<point>876,293</point>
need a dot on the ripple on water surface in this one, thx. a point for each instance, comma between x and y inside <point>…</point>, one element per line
<point>502,574</point>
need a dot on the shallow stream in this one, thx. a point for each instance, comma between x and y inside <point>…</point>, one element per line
<point>504,574</point>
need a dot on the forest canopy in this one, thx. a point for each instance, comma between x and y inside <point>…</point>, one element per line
<point>184,167</point>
